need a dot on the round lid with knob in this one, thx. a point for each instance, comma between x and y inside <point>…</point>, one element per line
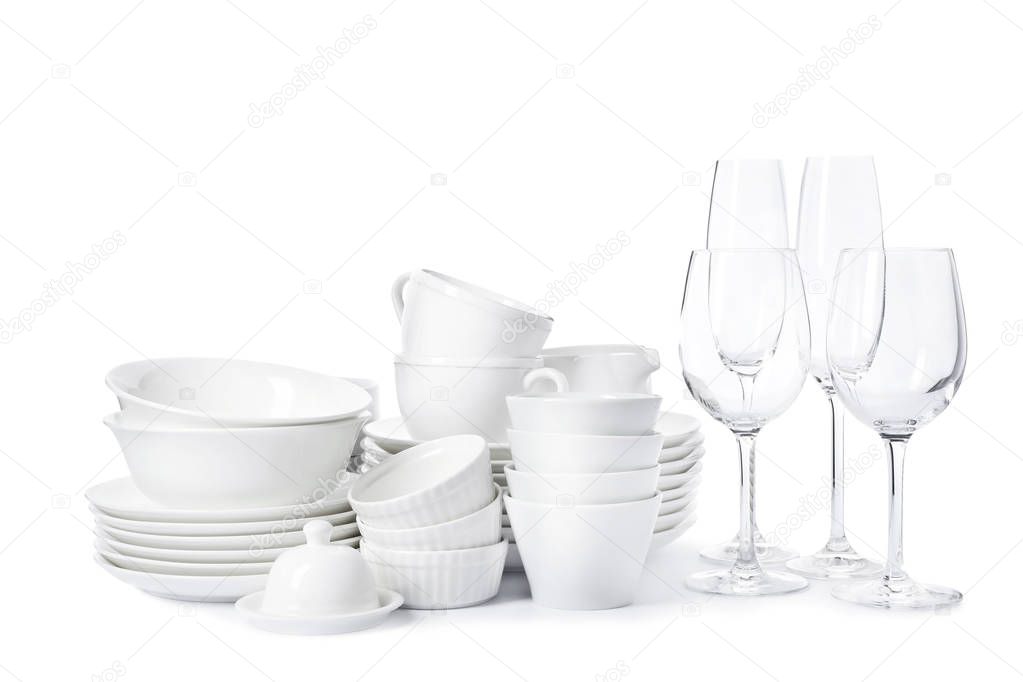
<point>319,578</point>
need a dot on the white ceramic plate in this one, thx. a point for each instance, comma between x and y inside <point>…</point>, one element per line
<point>242,528</point>
<point>207,556</point>
<point>392,435</point>
<point>670,535</point>
<point>122,499</point>
<point>673,494</point>
<point>680,451</point>
<point>178,567</point>
<point>680,466</point>
<point>676,428</point>
<point>669,482</point>
<point>676,505</point>
<point>201,588</point>
<point>669,521</point>
<point>219,542</point>
<point>334,624</point>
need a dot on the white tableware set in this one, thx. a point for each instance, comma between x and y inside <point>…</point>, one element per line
<point>430,519</point>
<point>228,460</point>
<point>582,529</point>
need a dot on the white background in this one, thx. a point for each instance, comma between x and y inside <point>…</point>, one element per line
<point>554,126</point>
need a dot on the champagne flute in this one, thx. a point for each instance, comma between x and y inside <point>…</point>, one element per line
<point>747,210</point>
<point>745,351</point>
<point>839,208</point>
<point>896,353</point>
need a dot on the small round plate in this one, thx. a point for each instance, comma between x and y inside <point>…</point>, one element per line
<point>122,499</point>
<point>268,540</point>
<point>282,525</point>
<point>334,624</point>
<point>680,466</point>
<point>678,505</point>
<point>392,435</point>
<point>668,536</point>
<point>669,482</point>
<point>206,556</point>
<point>200,588</point>
<point>178,567</point>
<point>680,451</point>
<point>669,521</point>
<point>676,427</point>
<point>672,494</point>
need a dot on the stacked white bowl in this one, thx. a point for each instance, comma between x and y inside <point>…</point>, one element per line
<point>228,460</point>
<point>430,519</point>
<point>582,494</point>
<point>464,349</point>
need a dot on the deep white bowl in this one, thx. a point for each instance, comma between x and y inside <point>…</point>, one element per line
<point>216,392</point>
<point>440,480</point>
<point>446,396</point>
<point>567,490</point>
<point>606,414</point>
<point>444,316</point>
<point>604,368</point>
<point>570,453</point>
<point>586,557</point>
<point>228,468</point>
<point>480,528</point>
<point>447,579</point>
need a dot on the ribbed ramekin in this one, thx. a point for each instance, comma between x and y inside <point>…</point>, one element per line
<point>434,482</point>
<point>446,579</point>
<point>478,529</point>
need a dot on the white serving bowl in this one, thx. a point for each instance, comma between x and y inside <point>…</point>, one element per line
<point>446,396</point>
<point>566,490</point>
<point>215,392</point>
<point>440,480</point>
<point>227,468</point>
<point>571,453</point>
<point>585,557</point>
<point>444,316</point>
<point>447,579</point>
<point>604,414</point>
<point>604,368</point>
<point>480,528</point>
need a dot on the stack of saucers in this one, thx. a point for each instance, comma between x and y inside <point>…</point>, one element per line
<point>430,518</point>
<point>680,477</point>
<point>204,554</point>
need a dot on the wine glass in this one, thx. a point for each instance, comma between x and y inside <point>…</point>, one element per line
<point>747,210</point>
<point>896,353</point>
<point>745,351</point>
<point>839,208</point>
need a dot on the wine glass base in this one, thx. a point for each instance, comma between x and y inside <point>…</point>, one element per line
<point>899,593</point>
<point>723,581</point>
<point>827,564</point>
<point>727,552</point>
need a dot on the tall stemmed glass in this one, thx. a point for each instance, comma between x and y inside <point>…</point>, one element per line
<point>839,208</point>
<point>745,351</point>
<point>896,352</point>
<point>747,211</point>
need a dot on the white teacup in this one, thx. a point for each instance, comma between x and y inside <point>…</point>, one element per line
<point>441,397</point>
<point>445,317</point>
<point>605,368</point>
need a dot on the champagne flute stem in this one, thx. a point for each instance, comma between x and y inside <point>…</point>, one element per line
<point>896,461</point>
<point>837,542</point>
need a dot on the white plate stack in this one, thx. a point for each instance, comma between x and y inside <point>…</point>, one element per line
<point>680,476</point>
<point>203,554</point>
<point>228,460</point>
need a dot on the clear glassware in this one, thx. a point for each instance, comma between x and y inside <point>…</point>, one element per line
<point>896,353</point>
<point>745,351</point>
<point>839,208</point>
<point>747,211</point>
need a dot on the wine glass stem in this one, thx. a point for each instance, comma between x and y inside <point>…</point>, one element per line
<point>837,541</point>
<point>746,563</point>
<point>896,460</point>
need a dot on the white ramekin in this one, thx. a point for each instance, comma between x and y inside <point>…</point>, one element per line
<point>447,579</point>
<point>478,529</point>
